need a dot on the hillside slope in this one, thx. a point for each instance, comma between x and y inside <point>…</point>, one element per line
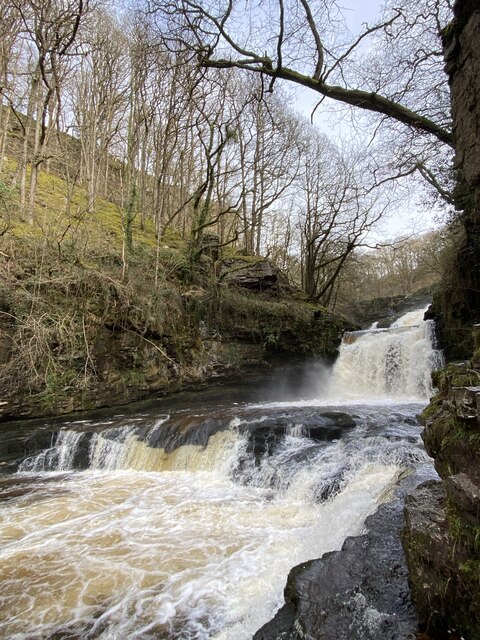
<point>85,323</point>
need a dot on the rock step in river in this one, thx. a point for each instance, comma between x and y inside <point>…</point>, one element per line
<point>184,522</point>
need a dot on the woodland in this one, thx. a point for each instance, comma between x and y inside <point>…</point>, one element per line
<point>140,169</point>
<point>116,105</point>
<point>153,156</point>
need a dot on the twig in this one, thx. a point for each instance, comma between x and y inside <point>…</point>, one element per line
<point>87,349</point>
<point>135,333</point>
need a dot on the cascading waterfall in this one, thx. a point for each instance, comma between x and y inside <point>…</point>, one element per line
<point>185,525</point>
<point>386,364</point>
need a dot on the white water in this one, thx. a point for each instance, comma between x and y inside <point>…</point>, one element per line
<point>196,542</point>
<point>387,364</point>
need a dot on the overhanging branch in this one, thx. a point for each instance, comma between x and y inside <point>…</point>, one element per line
<point>354,97</point>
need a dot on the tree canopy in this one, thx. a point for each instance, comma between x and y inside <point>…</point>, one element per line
<point>299,41</point>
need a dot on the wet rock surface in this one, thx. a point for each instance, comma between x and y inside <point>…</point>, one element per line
<point>22,441</point>
<point>443,518</point>
<point>170,432</point>
<point>358,593</point>
<point>386,310</point>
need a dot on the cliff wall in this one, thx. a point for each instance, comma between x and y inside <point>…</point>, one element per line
<point>442,536</point>
<point>458,304</point>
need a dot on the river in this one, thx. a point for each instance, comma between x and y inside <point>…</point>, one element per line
<point>183,520</point>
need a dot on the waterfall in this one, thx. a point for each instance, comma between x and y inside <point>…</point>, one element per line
<point>387,364</point>
<point>185,524</point>
<point>200,547</point>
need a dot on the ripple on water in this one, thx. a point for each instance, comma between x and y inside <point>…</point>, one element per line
<point>117,554</point>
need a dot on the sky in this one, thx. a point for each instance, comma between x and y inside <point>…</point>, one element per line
<point>409,219</point>
<point>357,13</point>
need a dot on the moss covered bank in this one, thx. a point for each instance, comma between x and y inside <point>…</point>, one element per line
<point>442,536</point>
<point>77,338</point>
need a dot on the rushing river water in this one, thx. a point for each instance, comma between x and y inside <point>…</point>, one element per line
<point>184,522</point>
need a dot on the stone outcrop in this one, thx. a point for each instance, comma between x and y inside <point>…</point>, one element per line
<point>385,311</point>
<point>442,536</point>
<point>257,275</point>
<point>458,304</point>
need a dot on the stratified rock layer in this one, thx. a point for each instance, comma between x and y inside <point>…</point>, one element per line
<point>458,304</point>
<point>442,536</point>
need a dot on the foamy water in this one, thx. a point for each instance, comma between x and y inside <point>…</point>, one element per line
<point>134,554</point>
<point>113,534</point>
<point>392,365</point>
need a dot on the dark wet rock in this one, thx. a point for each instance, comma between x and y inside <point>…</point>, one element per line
<point>328,487</point>
<point>21,441</point>
<point>454,445</point>
<point>263,441</point>
<point>358,593</point>
<point>169,432</point>
<point>386,310</point>
<point>265,435</point>
<point>339,419</point>
<point>184,429</point>
<point>458,302</point>
<point>464,492</point>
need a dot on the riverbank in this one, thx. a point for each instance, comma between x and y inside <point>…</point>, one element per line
<point>75,337</point>
<point>360,592</point>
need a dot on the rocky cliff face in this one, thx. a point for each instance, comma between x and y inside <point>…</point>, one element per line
<point>442,536</point>
<point>458,305</point>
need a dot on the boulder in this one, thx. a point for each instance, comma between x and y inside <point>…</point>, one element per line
<point>467,402</point>
<point>256,276</point>
<point>464,492</point>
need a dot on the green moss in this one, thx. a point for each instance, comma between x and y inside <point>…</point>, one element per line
<point>431,409</point>
<point>464,379</point>
<point>471,569</point>
<point>61,216</point>
<point>452,433</point>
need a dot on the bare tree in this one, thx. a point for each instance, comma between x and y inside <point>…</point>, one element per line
<point>52,27</point>
<point>270,158</point>
<point>335,216</point>
<point>287,41</point>
<point>100,99</point>
<point>10,25</point>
